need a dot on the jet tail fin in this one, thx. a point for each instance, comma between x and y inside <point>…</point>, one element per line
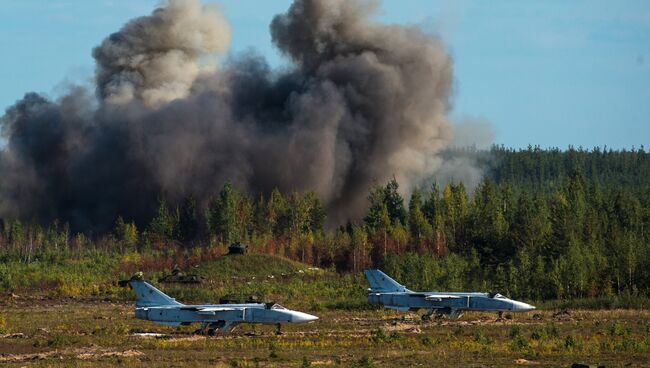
<point>380,282</point>
<point>148,296</point>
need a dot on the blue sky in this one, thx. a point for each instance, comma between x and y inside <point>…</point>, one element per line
<point>550,73</point>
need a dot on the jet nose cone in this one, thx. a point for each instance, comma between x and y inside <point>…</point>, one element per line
<point>522,307</point>
<point>300,317</point>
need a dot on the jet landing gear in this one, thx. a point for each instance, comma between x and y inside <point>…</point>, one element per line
<point>450,313</point>
<point>428,316</point>
<point>201,330</point>
<point>455,314</point>
<point>278,329</point>
<point>212,328</point>
<point>500,317</point>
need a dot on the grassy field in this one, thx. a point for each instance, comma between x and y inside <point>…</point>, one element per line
<point>68,332</point>
<point>72,313</point>
<point>265,276</point>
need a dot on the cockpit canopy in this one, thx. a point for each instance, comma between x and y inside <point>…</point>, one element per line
<point>496,296</point>
<point>274,306</point>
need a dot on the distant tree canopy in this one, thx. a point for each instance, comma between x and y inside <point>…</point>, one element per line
<point>541,224</point>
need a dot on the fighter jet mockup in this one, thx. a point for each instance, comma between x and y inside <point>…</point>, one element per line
<point>387,292</point>
<point>154,305</point>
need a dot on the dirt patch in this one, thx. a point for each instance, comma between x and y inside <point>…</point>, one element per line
<point>9,358</point>
<point>522,361</point>
<point>323,362</point>
<point>151,335</point>
<point>109,354</point>
<point>403,327</point>
<point>89,353</point>
<point>13,336</point>
<point>178,337</point>
<point>562,315</point>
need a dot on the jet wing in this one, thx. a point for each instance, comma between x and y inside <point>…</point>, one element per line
<point>213,310</point>
<point>439,297</point>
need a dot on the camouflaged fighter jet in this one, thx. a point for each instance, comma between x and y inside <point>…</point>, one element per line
<point>154,305</point>
<point>389,293</point>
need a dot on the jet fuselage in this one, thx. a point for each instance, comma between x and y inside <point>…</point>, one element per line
<point>154,305</point>
<point>389,293</point>
<point>473,301</point>
<point>241,313</point>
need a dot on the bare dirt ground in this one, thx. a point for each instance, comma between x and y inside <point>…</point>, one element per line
<point>69,332</point>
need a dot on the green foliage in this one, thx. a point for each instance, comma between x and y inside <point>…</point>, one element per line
<point>188,221</point>
<point>3,325</point>
<point>395,336</point>
<point>568,226</point>
<point>570,342</point>
<point>427,340</point>
<point>519,342</point>
<point>56,341</point>
<point>515,331</point>
<point>420,229</point>
<point>482,338</point>
<point>378,336</point>
<point>364,362</point>
<point>126,234</point>
<point>377,217</point>
<point>449,273</point>
<point>305,363</point>
<point>618,329</point>
<point>273,350</point>
<point>164,223</point>
<point>115,329</point>
<point>630,344</point>
<point>385,199</point>
<point>260,265</point>
<point>552,330</point>
<point>6,281</point>
<point>538,333</point>
<point>228,214</point>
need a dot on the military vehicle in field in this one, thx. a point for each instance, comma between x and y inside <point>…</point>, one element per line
<point>238,299</point>
<point>237,248</point>
<point>179,277</point>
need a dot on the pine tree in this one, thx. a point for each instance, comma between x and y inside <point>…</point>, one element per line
<point>126,234</point>
<point>394,203</point>
<point>223,215</point>
<point>431,205</point>
<point>377,204</point>
<point>276,208</point>
<point>420,229</point>
<point>164,223</point>
<point>188,222</point>
<point>317,214</point>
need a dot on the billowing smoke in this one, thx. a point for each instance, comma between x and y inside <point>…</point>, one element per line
<point>154,59</point>
<point>361,102</point>
<point>473,137</point>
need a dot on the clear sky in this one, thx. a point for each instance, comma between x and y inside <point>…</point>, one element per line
<point>552,73</point>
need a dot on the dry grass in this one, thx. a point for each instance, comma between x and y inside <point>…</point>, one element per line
<point>103,333</point>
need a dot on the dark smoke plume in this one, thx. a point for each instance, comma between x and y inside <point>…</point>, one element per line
<point>363,101</point>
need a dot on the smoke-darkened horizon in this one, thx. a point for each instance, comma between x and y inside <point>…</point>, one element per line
<point>362,102</point>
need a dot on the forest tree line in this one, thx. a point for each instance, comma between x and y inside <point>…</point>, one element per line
<point>542,224</point>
